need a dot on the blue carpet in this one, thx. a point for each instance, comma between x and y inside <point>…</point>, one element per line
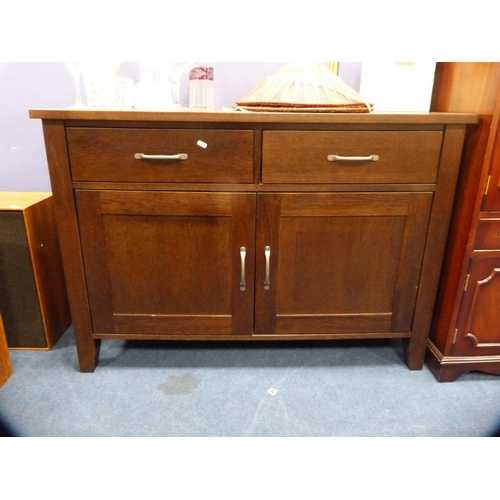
<point>236,390</point>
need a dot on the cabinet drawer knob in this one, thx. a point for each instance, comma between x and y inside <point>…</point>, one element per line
<point>352,158</point>
<point>142,156</point>
<point>267,282</point>
<point>243,283</point>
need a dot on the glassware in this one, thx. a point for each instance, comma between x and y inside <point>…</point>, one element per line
<point>96,77</point>
<point>75,69</point>
<point>201,86</point>
<point>176,70</point>
<point>105,88</point>
<point>154,89</point>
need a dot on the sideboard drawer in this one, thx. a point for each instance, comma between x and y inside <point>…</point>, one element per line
<point>360,156</point>
<point>488,234</point>
<point>170,155</point>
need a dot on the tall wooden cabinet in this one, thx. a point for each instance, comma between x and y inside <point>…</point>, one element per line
<point>465,334</point>
<point>252,226</point>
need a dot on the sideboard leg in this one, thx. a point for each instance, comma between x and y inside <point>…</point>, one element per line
<point>88,355</point>
<point>413,357</point>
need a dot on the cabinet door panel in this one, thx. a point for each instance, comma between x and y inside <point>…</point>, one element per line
<point>168,263</point>
<point>346,263</point>
<point>478,323</point>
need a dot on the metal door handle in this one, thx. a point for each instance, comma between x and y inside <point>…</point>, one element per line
<point>243,254</point>
<point>142,156</point>
<point>267,282</point>
<point>352,158</point>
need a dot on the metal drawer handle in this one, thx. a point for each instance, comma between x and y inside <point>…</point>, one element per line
<point>352,158</point>
<point>267,282</point>
<point>142,156</point>
<point>243,254</point>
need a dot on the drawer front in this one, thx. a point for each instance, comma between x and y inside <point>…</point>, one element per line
<point>171,155</point>
<point>361,156</point>
<point>488,235</point>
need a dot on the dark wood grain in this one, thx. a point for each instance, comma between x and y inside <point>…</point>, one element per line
<point>160,262</point>
<point>301,157</point>
<point>155,254</point>
<point>69,236</point>
<point>326,276</point>
<point>435,244</point>
<point>235,117</point>
<point>108,155</point>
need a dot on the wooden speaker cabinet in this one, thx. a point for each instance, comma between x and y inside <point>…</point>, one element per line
<point>5,363</point>
<point>33,297</point>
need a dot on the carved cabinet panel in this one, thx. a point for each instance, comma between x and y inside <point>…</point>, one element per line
<point>478,323</point>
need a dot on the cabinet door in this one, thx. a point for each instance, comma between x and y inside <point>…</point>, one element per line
<point>168,264</point>
<point>478,323</point>
<point>339,263</point>
<point>491,201</point>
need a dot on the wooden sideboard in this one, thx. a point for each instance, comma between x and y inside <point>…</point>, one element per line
<point>252,226</point>
<point>465,334</point>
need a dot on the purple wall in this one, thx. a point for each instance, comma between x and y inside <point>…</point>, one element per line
<point>25,85</point>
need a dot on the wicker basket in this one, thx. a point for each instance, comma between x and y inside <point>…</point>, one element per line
<point>304,88</point>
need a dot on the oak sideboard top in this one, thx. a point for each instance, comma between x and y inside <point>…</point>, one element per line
<point>231,116</point>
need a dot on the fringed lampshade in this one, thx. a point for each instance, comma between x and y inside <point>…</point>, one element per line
<point>304,87</point>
